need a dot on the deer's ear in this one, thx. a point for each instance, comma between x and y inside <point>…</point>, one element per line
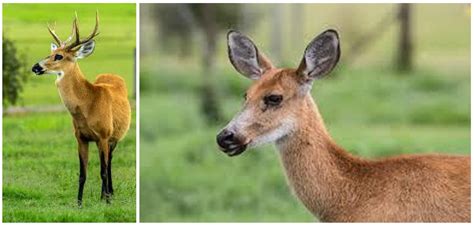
<point>244,56</point>
<point>320,56</point>
<point>53,47</point>
<point>85,50</point>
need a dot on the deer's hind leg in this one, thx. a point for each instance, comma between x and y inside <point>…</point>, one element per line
<point>83,151</point>
<point>103,146</point>
<point>112,146</point>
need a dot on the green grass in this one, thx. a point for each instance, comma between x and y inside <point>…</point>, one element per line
<point>40,173</point>
<point>114,52</point>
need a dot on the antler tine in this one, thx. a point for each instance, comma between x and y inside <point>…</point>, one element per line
<point>94,33</point>
<point>96,29</point>
<point>55,36</point>
<point>73,31</point>
<point>76,26</point>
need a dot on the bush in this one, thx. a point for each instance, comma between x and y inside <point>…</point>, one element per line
<point>14,73</point>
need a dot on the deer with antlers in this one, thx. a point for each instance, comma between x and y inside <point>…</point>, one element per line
<point>333,184</point>
<point>100,111</point>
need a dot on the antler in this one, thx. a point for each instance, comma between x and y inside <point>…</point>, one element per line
<point>55,36</point>
<point>78,41</point>
<point>72,31</point>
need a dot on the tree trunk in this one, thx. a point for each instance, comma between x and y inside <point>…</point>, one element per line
<point>297,23</point>
<point>276,33</point>
<point>405,51</point>
<point>245,18</point>
<point>210,106</point>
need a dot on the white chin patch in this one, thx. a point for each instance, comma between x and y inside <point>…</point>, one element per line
<point>285,128</point>
<point>55,72</point>
<point>59,74</point>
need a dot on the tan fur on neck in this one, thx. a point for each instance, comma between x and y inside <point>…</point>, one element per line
<point>336,186</point>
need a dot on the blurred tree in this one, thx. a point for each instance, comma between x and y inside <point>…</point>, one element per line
<point>14,73</point>
<point>405,46</point>
<point>297,22</point>
<point>175,22</point>
<point>207,18</point>
<point>181,21</point>
<point>248,15</point>
<point>276,32</point>
<point>366,38</point>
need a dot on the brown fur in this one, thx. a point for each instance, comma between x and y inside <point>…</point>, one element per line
<point>100,110</point>
<point>336,186</point>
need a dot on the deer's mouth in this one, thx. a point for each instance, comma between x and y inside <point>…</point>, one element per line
<point>39,73</point>
<point>234,150</point>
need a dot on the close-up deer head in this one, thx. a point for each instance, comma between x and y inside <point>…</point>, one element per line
<point>275,102</point>
<point>64,54</point>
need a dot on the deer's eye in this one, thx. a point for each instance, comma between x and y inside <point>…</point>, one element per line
<point>245,96</point>
<point>272,100</point>
<point>58,57</point>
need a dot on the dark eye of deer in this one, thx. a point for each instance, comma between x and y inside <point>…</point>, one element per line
<point>245,96</point>
<point>272,100</point>
<point>58,57</point>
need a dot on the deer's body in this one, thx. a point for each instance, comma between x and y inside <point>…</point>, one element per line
<point>100,111</point>
<point>330,182</point>
<point>336,186</point>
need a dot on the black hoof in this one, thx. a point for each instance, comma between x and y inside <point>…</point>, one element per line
<point>79,204</point>
<point>106,196</point>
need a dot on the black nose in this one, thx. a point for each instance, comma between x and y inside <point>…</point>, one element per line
<point>230,143</point>
<point>225,138</point>
<point>37,69</point>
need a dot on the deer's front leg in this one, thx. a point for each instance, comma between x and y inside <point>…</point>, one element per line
<point>103,146</point>
<point>83,150</point>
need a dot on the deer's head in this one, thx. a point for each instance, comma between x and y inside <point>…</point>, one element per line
<point>64,54</point>
<point>274,101</point>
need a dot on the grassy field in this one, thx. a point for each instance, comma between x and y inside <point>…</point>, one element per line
<point>114,51</point>
<point>41,170</point>
<point>369,110</point>
<point>40,162</point>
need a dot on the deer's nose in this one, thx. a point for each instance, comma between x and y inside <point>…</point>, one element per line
<point>230,143</point>
<point>37,69</point>
<point>225,138</point>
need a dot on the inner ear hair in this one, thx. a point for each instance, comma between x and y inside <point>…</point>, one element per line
<point>320,56</point>
<point>245,57</point>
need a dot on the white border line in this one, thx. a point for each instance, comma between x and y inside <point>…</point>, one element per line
<point>1,119</point>
<point>472,144</point>
<point>138,2</point>
<point>137,111</point>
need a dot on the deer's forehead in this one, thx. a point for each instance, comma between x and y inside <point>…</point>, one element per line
<point>278,80</point>
<point>61,50</point>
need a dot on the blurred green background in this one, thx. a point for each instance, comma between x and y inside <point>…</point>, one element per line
<point>370,106</point>
<point>40,163</point>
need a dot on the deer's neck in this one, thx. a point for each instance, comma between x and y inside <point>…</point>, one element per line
<point>74,89</point>
<point>317,169</point>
